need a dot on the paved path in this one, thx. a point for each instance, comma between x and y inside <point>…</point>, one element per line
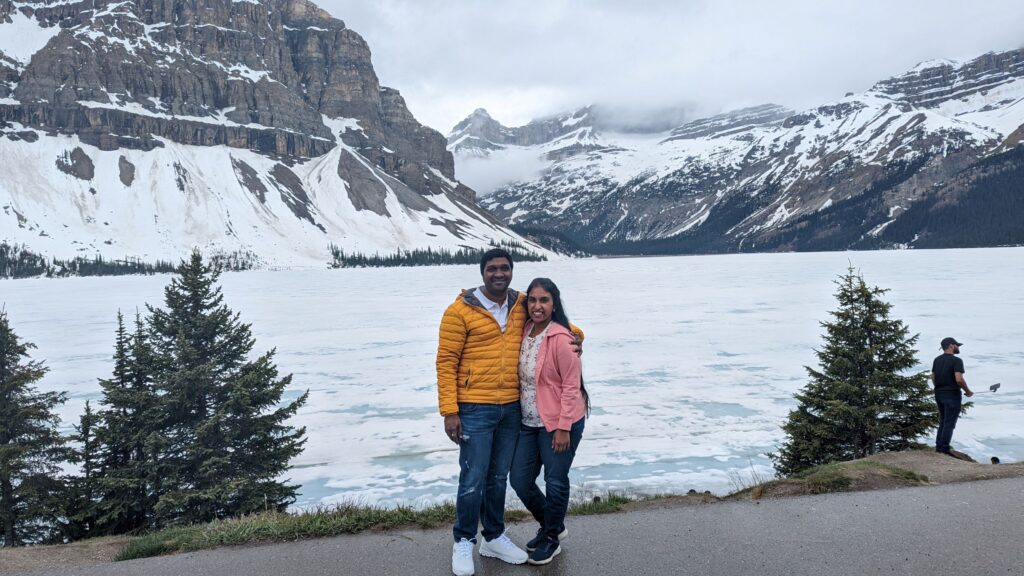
<point>974,528</point>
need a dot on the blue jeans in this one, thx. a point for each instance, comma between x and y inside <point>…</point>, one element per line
<point>949,410</point>
<point>489,434</point>
<point>533,451</point>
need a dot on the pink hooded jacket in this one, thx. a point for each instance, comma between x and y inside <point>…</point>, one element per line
<point>559,371</point>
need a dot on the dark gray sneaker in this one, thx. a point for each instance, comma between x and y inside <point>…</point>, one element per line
<point>546,551</point>
<point>532,544</point>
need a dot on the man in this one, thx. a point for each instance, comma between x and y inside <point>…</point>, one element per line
<point>948,379</point>
<point>478,395</point>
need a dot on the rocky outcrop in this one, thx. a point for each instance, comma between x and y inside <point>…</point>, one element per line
<point>479,133</point>
<point>931,84</point>
<point>77,164</point>
<point>732,122</point>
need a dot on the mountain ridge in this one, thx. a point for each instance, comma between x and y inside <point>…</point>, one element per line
<point>836,176</point>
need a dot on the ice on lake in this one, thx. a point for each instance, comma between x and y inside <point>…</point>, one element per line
<point>691,362</point>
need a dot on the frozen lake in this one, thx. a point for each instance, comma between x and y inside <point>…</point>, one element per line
<point>691,361</point>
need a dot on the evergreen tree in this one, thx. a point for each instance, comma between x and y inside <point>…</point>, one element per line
<point>224,438</point>
<point>126,501</point>
<point>30,446</point>
<point>81,495</point>
<point>862,400</point>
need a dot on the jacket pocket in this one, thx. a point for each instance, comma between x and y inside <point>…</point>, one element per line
<point>469,376</point>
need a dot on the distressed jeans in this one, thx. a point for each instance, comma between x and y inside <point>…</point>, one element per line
<point>533,451</point>
<point>489,434</point>
<point>949,411</point>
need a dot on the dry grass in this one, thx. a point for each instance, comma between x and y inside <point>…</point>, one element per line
<point>835,477</point>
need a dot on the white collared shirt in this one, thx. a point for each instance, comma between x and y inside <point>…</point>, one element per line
<point>499,311</point>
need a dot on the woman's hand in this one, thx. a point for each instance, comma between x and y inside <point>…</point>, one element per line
<point>560,442</point>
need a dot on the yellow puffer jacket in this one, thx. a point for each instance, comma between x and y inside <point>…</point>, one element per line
<point>476,361</point>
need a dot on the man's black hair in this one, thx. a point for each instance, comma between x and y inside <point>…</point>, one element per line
<point>492,254</point>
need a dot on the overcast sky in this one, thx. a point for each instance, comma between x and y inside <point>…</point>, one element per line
<point>523,59</point>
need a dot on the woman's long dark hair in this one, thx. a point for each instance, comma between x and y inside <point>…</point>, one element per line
<point>558,316</point>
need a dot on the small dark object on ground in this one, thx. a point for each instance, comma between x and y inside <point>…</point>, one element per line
<point>995,459</point>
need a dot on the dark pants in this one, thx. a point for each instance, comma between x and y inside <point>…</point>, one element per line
<point>489,434</point>
<point>533,451</point>
<point>949,411</point>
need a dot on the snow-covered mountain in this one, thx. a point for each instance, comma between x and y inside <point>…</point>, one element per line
<point>143,128</point>
<point>917,160</point>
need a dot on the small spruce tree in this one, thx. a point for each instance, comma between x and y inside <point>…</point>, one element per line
<point>31,448</point>
<point>224,440</point>
<point>81,495</point>
<point>863,398</point>
<point>126,500</point>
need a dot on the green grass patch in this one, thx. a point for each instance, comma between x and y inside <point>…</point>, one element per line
<point>321,522</point>
<point>159,543</point>
<point>280,526</point>
<point>612,502</point>
<point>824,479</point>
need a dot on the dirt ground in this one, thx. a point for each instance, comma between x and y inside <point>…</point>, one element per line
<point>939,468</point>
<point>942,469</point>
<point>85,553</point>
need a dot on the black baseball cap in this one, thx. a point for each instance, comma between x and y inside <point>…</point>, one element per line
<point>947,341</point>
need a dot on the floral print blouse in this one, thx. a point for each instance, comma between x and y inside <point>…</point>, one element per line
<point>528,378</point>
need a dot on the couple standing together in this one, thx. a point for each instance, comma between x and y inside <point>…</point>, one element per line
<point>510,388</point>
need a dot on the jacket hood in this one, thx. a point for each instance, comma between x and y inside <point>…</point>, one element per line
<point>468,295</point>
<point>554,329</point>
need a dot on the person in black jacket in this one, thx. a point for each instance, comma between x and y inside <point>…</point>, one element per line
<point>950,386</point>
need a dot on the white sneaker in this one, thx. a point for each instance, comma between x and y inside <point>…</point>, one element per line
<point>462,558</point>
<point>503,549</point>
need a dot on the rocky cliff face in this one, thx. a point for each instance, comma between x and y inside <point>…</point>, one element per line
<point>735,122</point>
<point>934,83</point>
<point>279,82</point>
<point>848,174</point>
<point>479,134</point>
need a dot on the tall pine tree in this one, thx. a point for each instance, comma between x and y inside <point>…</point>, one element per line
<point>127,420</point>
<point>30,446</point>
<point>81,491</point>
<point>862,399</point>
<point>225,441</point>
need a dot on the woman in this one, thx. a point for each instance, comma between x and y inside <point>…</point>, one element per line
<point>554,405</point>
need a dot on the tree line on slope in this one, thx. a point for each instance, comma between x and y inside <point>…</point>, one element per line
<point>428,256</point>
<point>188,429</point>
<point>17,261</point>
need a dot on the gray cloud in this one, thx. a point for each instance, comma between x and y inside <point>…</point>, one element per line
<point>523,59</point>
